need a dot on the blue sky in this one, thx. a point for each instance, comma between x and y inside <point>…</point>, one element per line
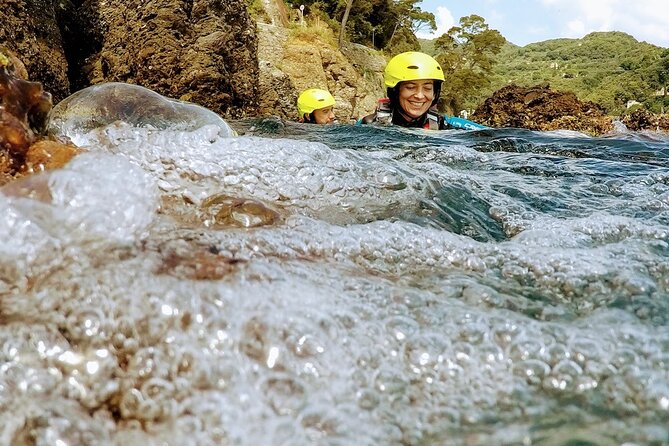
<point>525,21</point>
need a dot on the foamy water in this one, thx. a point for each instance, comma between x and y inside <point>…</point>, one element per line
<point>368,286</point>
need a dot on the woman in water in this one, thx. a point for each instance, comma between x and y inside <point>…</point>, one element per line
<point>413,83</point>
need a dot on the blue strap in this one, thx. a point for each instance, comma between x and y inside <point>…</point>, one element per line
<point>464,124</point>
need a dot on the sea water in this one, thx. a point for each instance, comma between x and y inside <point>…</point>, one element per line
<point>184,283</point>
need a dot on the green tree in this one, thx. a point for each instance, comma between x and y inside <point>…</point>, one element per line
<point>412,17</point>
<point>467,56</point>
<point>381,23</point>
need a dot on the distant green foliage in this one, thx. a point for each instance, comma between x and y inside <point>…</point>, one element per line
<point>256,9</point>
<point>608,68</point>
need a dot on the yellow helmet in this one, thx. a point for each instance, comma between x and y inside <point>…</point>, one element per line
<point>411,66</point>
<point>313,99</point>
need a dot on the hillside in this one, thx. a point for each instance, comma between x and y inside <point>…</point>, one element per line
<point>608,68</point>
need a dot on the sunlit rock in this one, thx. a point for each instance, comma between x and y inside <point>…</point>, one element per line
<point>46,154</point>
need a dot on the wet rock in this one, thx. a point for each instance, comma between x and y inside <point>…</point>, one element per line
<point>46,154</point>
<point>224,211</point>
<point>642,119</point>
<point>540,108</point>
<point>24,107</point>
<point>30,29</point>
<point>221,211</point>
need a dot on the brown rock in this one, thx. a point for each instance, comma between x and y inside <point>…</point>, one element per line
<point>642,119</point>
<point>45,155</point>
<point>29,28</point>
<point>203,52</point>
<point>540,108</point>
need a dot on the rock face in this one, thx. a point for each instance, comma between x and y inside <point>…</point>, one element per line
<point>29,28</point>
<point>540,108</point>
<point>202,51</point>
<point>292,60</point>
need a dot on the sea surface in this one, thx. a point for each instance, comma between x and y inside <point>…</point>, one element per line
<point>191,281</point>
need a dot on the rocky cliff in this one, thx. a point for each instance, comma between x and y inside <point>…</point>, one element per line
<point>204,51</point>
<point>294,56</point>
<point>292,60</point>
<point>30,28</point>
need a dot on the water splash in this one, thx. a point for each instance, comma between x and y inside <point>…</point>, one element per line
<point>405,287</point>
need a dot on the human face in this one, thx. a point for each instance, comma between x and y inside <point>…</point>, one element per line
<point>324,115</point>
<point>416,97</point>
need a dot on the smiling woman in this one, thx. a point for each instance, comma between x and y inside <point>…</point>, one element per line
<point>415,97</point>
<point>413,83</point>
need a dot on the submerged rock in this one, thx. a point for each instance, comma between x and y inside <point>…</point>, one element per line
<point>540,108</point>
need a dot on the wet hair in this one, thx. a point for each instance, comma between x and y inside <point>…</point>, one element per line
<point>310,118</point>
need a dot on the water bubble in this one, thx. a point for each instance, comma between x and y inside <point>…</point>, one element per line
<point>104,104</point>
<point>285,394</point>
<point>525,349</point>
<point>555,353</point>
<point>368,399</point>
<point>533,371</point>
<point>423,352</point>
<point>401,327</point>
<point>390,382</point>
<point>320,422</point>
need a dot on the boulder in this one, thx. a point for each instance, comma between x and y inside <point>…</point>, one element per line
<point>540,108</point>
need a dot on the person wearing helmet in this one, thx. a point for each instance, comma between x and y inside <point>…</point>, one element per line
<point>316,106</point>
<point>413,83</point>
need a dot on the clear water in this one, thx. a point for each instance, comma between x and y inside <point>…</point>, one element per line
<point>300,285</point>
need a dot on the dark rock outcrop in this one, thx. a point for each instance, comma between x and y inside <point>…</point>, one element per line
<point>540,108</point>
<point>203,51</point>
<point>29,28</point>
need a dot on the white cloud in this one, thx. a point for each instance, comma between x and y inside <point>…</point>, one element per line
<point>445,21</point>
